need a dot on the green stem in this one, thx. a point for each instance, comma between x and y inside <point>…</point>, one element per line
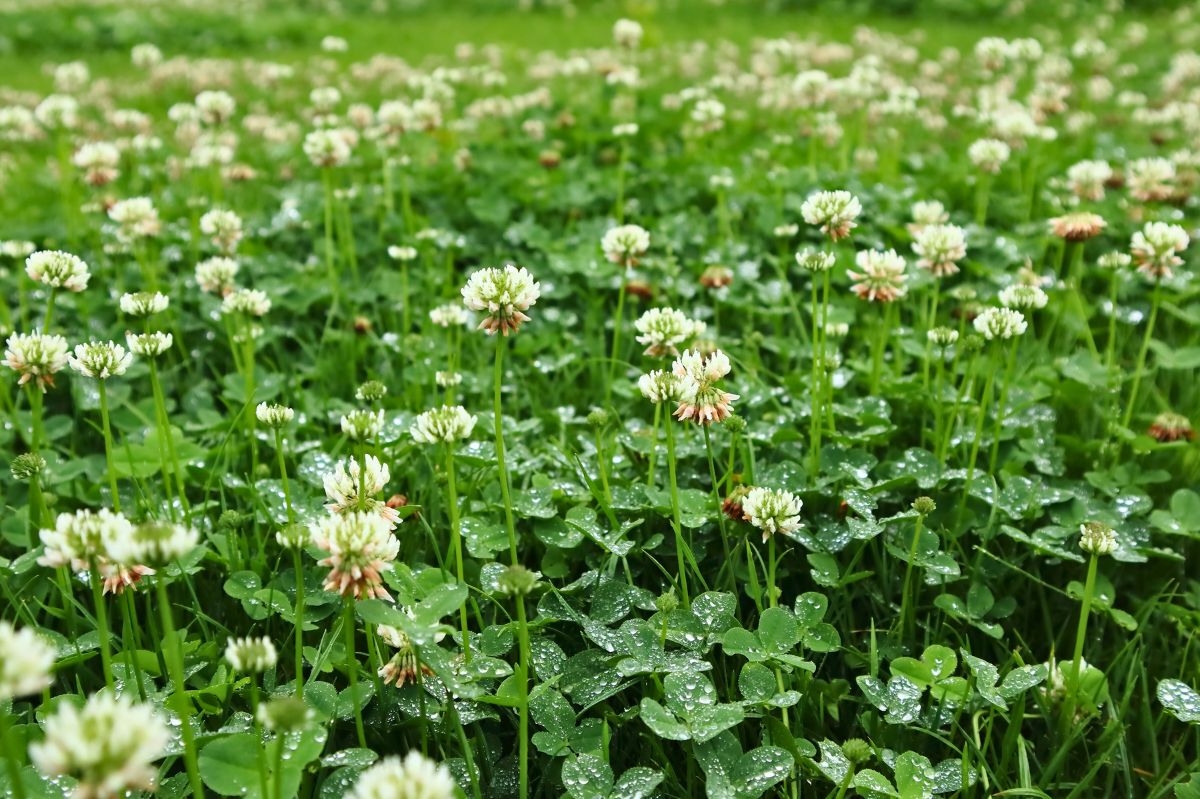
<point>1002,405</point>
<point>9,751</point>
<point>456,544</point>
<point>49,310</point>
<point>298,567</point>
<point>97,583</point>
<point>1127,417</point>
<point>616,339</point>
<point>352,669</point>
<point>676,524</point>
<point>1085,610</point>
<point>653,445</point>
<point>716,490</point>
<point>523,674</point>
<point>906,619</point>
<point>984,402</point>
<point>108,446</point>
<point>815,394</point>
<point>771,601</point>
<point>502,466</point>
<point>182,703</point>
<point>278,785</point>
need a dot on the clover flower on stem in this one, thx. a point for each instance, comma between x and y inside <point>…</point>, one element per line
<point>834,212</point>
<point>503,295</point>
<point>700,398</point>
<point>663,330</point>
<point>413,777</point>
<point>353,484</point>
<point>772,511</point>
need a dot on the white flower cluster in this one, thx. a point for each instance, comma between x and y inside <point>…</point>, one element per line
<point>940,247</point>
<point>351,486</point>
<point>100,359</point>
<point>249,655</point>
<point>35,356</point>
<point>834,212</point>
<point>58,269</point>
<point>1155,249</point>
<point>663,330</point>
<point>414,777</point>
<point>700,397</point>
<point>25,662</point>
<point>1000,323</point>
<point>504,295</point>
<point>625,244</point>
<point>772,511</point>
<point>447,423</point>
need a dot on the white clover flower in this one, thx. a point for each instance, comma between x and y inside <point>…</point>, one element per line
<point>149,345</point>
<point>36,357</point>
<point>414,777</point>
<point>215,107</point>
<point>625,130</point>
<point>659,386</point>
<point>325,98</point>
<point>58,269</point>
<point>1023,297</point>
<point>26,659</point>
<point>402,253</point>
<point>881,277</point>
<point>1151,179</point>
<point>99,161</point>
<point>250,302</point>
<point>447,379</point>
<point>700,397</point>
<point>988,155</point>
<point>144,303</point>
<point>109,746</point>
<point>709,114</point>
<point>250,655</point>
<point>136,217</point>
<point>100,359</point>
<point>1097,538</point>
<point>348,478</point>
<point>663,330</point>
<point>815,260</point>
<point>940,247</point>
<point>57,112</point>
<point>834,212</point>
<point>145,55</point>
<point>153,543</point>
<point>449,315</point>
<point>1114,260</point>
<point>334,44</point>
<point>82,539</point>
<point>785,231</point>
<point>1155,249</point>
<point>327,147</point>
<point>362,425</point>
<point>1000,323</point>
<point>273,415</point>
<point>504,295</point>
<point>1087,179</point>
<point>361,547</point>
<point>625,244</point>
<point>217,275</point>
<point>447,423</point>
<point>942,336</point>
<point>627,33</point>
<point>927,212</point>
<point>224,229</point>
<point>772,511</point>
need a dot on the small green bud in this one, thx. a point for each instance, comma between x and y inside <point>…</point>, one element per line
<point>924,505</point>
<point>734,423</point>
<point>27,466</point>
<point>598,418</point>
<point>518,580</point>
<point>286,714</point>
<point>371,391</point>
<point>857,750</point>
<point>667,602</point>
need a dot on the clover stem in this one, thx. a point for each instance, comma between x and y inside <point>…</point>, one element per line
<point>183,705</point>
<point>676,525</point>
<point>1127,417</point>
<point>523,673</point>
<point>108,446</point>
<point>1085,610</point>
<point>502,466</point>
<point>102,630</point>
<point>456,543</point>
<point>352,668</point>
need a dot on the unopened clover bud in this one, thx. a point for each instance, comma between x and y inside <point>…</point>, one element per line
<point>735,423</point>
<point>231,520</point>
<point>1097,538</point>
<point>924,505</point>
<point>371,391</point>
<point>857,750</point>
<point>972,343</point>
<point>667,602</point>
<point>286,714</point>
<point>518,580</point>
<point>598,418</point>
<point>27,466</point>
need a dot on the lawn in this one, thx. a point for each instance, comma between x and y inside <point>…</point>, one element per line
<point>450,400</point>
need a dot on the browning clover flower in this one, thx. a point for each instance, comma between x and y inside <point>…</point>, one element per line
<point>504,295</point>
<point>405,664</point>
<point>58,269</point>
<point>109,746</point>
<point>625,245</point>
<point>772,511</point>
<point>1169,426</point>
<point>662,330</point>
<point>1077,226</point>
<point>448,423</point>
<point>344,484</point>
<point>26,659</point>
<point>940,248</point>
<point>834,212</point>
<point>361,547</point>
<point>35,356</point>
<point>700,398</point>
<point>414,777</point>
<point>1155,249</point>
<point>1087,178</point>
<point>100,359</point>
<point>881,277</point>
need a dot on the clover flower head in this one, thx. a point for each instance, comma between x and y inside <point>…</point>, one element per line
<point>1155,249</point>
<point>224,229</point>
<point>659,386</point>
<point>940,247</point>
<point>503,295</point>
<point>988,155</point>
<point>834,212</point>
<point>348,478</point>
<point>1087,178</point>
<point>449,315</point>
<point>361,547</point>
<point>136,217</point>
<point>58,269</point>
<point>1097,538</point>
<point>153,543</point>
<point>625,244</point>
<point>447,379</point>
<point>880,277</point>
<point>772,511</point>
<point>284,714</point>
<point>149,345</point>
<point>815,260</point>
<point>273,415</point>
<point>145,55</point>
<point>1114,260</point>
<point>448,423</point>
<point>662,330</point>
<point>1000,323</point>
<point>362,424</point>
<point>250,655</point>
<point>327,147</point>
<point>215,107</point>
<point>109,746</point>
<point>627,33</point>
<point>927,212</point>
<point>82,538</point>
<point>1077,226</point>
<point>700,397</point>
<point>100,359</point>
<point>144,303</point>
<point>1170,426</point>
<point>26,659</point>
<point>27,465</point>
<point>251,302</point>
<point>99,161</point>
<point>1023,297</point>
<point>402,253</point>
<point>414,777</point>
<point>35,356</point>
<point>1151,179</point>
<point>217,275</point>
